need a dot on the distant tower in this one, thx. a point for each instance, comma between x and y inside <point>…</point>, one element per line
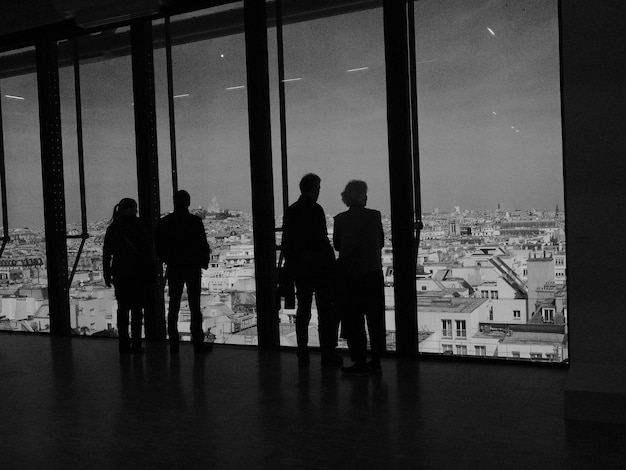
<point>214,208</point>
<point>498,207</point>
<point>557,209</point>
<point>457,209</point>
<point>453,228</point>
<point>436,211</point>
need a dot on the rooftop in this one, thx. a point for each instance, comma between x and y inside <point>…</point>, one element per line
<point>454,304</point>
<point>529,337</point>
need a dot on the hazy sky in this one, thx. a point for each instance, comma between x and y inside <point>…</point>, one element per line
<point>489,114</point>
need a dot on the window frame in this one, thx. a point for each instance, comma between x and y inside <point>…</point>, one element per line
<point>461,329</point>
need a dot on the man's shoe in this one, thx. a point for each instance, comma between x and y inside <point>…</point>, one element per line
<point>304,361</point>
<point>356,369</point>
<point>332,362</point>
<point>375,367</point>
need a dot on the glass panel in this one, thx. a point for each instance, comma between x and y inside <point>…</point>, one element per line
<point>493,247</point>
<point>211,116</point>
<point>23,277</point>
<point>336,126</point>
<point>110,168</point>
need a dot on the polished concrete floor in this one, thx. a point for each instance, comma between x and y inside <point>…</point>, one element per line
<point>75,403</point>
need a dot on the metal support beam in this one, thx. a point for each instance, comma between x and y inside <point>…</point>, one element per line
<point>84,234</point>
<point>147,163</point>
<point>414,127</point>
<point>53,184</point>
<point>170,104</point>
<point>259,124</point>
<point>281,104</point>
<point>401,173</point>
<point>3,190</point>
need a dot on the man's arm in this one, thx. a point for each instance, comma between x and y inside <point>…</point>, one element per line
<point>322,242</point>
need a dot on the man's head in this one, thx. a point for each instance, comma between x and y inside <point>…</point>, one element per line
<point>310,185</point>
<point>182,200</point>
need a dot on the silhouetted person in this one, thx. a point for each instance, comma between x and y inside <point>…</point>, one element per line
<point>182,245</point>
<point>358,237</point>
<point>127,264</point>
<point>309,259</point>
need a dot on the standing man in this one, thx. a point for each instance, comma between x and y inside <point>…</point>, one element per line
<point>309,259</point>
<point>182,245</point>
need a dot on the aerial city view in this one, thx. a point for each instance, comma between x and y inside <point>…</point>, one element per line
<point>489,284</point>
<point>491,261</point>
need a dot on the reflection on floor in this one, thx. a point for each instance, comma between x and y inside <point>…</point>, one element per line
<point>75,403</point>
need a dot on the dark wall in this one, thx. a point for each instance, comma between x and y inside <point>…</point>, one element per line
<point>593,41</point>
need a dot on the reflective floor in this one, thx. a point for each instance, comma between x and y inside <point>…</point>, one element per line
<point>75,403</point>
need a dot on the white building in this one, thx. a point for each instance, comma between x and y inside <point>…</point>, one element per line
<point>225,278</point>
<point>453,324</point>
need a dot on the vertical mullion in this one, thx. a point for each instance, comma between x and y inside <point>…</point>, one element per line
<point>53,184</point>
<point>281,101</point>
<point>147,162</point>
<point>3,188</point>
<point>79,137</point>
<point>401,174</point>
<point>81,160</point>
<point>414,116</point>
<point>259,124</point>
<point>170,103</point>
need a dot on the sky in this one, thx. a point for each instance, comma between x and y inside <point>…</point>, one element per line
<point>488,104</point>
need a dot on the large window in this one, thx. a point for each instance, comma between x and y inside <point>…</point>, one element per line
<point>23,278</point>
<point>492,250</point>
<point>105,120</point>
<point>212,161</point>
<point>336,124</point>
<point>491,166</point>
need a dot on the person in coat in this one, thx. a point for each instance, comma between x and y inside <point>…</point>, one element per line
<point>127,264</point>
<point>358,237</point>
<point>182,245</point>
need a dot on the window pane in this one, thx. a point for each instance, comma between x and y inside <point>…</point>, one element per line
<point>336,124</point>
<point>108,130</point>
<point>212,148</point>
<point>491,169</point>
<point>23,275</point>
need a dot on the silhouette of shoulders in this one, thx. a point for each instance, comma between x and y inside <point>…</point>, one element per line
<point>358,237</point>
<point>181,240</point>
<point>304,228</point>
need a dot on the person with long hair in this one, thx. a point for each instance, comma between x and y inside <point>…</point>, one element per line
<point>126,264</point>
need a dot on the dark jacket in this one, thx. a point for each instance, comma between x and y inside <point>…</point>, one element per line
<point>358,237</point>
<point>126,252</point>
<point>305,244</point>
<point>181,241</point>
